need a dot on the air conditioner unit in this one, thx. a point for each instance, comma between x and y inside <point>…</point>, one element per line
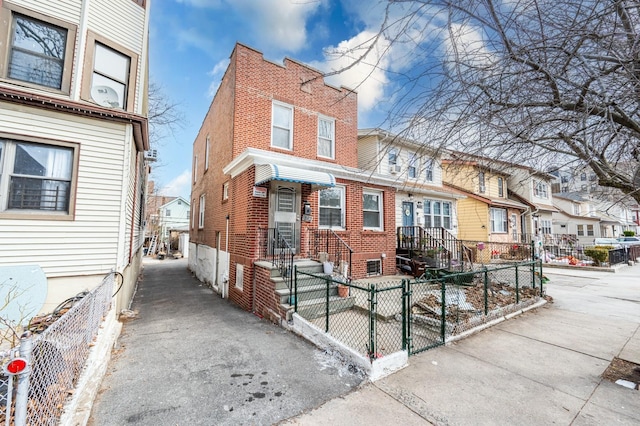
<point>151,155</point>
<point>394,168</point>
<point>482,188</point>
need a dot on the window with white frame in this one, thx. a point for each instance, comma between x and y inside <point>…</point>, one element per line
<point>239,276</point>
<point>576,209</point>
<point>167,212</point>
<point>331,204</point>
<point>193,215</point>
<point>540,189</point>
<point>500,187</point>
<point>580,230</point>
<point>206,154</point>
<point>437,214</point>
<point>326,137</point>
<point>225,191</point>
<point>392,159</point>
<point>545,224</point>
<point>195,168</point>
<point>36,176</point>
<point>583,176</point>
<point>39,52</point>
<point>372,209</point>
<point>282,126</point>
<point>428,170</point>
<point>590,230</point>
<point>201,212</point>
<point>498,218</point>
<point>412,170</point>
<point>481,183</point>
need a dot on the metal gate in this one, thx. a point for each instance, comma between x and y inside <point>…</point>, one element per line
<point>425,325</point>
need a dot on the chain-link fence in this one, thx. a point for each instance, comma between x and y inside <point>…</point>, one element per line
<point>58,355</point>
<point>380,316</point>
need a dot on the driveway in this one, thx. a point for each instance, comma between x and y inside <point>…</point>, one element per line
<point>191,358</point>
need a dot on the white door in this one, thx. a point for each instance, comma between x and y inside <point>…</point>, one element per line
<point>284,213</point>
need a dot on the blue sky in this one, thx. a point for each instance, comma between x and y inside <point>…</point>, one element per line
<point>191,40</point>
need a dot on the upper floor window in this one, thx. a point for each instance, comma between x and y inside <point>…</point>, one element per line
<point>195,167</point>
<point>545,225</point>
<point>576,209</point>
<point>225,191</point>
<point>282,126</point>
<point>592,177</point>
<point>564,179</point>
<point>167,213</point>
<point>40,49</point>
<point>428,170</point>
<point>583,176</point>
<point>392,158</point>
<point>540,189</point>
<point>411,168</point>
<point>372,210</point>
<point>564,189</point>
<point>206,154</point>
<point>110,70</point>
<point>326,137</point>
<point>500,187</point>
<point>36,177</point>
<point>481,186</point>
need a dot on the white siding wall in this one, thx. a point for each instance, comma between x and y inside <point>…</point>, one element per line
<point>67,10</point>
<point>368,153</point>
<point>88,244</point>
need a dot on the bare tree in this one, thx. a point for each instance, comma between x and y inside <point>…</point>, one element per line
<point>536,81</point>
<point>165,115</point>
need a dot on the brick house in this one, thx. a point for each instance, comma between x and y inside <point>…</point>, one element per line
<point>276,159</point>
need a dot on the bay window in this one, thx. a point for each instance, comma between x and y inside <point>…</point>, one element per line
<point>437,214</point>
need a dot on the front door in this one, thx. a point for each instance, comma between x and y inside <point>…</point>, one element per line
<point>284,212</point>
<point>407,214</point>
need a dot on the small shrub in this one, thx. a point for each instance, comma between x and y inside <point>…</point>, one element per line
<point>599,254</point>
<point>628,233</point>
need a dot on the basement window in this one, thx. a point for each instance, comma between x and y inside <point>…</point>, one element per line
<point>374,267</point>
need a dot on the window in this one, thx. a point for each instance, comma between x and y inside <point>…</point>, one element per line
<point>392,156</point>
<point>326,137</point>
<point>481,187</point>
<point>580,229</point>
<point>225,191</point>
<point>583,176</point>
<point>411,169</point>
<point>428,170</point>
<point>592,177</point>
<point>201,213</point>
<point>564,189</point>
<point>545,224</point>
<point>498,220</point>
<point>167,212</point>
<point>374,267</point>
<point>40,48</point>
<point>372,209</point>
<point>576,209</point>
<point>195,167</point>
<point>540,189</point>
<point>583,187</point>
<point>331,207</point>
<point>564,179</point>
<point>590,230</point>
<point>239,276</point>
<point>110,73</point>
<point>193,215</point>
<point>206,155</point>
<point>37,176</point>
<point>282,126</point>
<point>500,187</point>
<point>437,214</point>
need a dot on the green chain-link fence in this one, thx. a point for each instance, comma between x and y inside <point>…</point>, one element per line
<point>383,315</point>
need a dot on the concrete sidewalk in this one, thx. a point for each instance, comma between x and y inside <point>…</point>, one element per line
<point>192,358</point>
<point>543,367</point>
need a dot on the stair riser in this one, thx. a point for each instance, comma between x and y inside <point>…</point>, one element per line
<point>302,283</point>
<point>310,295</point>
<point>336,306</point>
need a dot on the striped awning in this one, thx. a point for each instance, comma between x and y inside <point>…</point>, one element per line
<point>268,172</point>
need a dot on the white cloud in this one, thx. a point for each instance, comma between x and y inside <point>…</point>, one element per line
<point>178,186</point>
<point>368,77</point>
<point>217,73</point>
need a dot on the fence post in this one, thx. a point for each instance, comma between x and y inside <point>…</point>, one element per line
<point>486,291</point>
<point>533,275</point>
<point>517,285</point>
<point>22,390</point>
<point>295,288</point>
<point>541,279</point>
<point>443,306</point>
<point>405,295</point>
<point>326,327</point>
<point>372,322</point>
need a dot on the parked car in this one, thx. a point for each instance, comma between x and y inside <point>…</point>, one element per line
<point>629,241</point>
<point>613,242</point>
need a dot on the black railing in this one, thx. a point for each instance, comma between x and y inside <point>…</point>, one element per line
<point>435,247</point>
<point>337,250</point>
<point>275,248</point>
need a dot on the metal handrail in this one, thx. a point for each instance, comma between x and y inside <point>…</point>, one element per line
<point>326,240</point>
<point>276,249</point>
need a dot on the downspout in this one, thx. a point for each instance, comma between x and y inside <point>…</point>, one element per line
<point>225,284</point>
<point>133,209</point>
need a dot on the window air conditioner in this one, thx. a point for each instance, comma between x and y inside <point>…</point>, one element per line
<point>394,168</point>
<point>482,188</point>
<point>151,155</point>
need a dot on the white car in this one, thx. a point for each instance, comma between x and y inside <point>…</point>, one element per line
<point>628,241</point>
<point>607,242</point>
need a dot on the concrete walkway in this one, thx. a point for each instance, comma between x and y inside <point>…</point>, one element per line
<point>191,358</point>
<point>541,368</point>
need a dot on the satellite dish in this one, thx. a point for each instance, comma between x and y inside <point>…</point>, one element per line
<point>105,96</point>
<point>23,290</point>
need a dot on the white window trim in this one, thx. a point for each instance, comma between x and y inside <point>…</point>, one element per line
<point>225,191</point>
<point>500,184</point>
<point>342,210</point>
<point>429,166</point>
<point>493,222</point>
<point>412,163</point>
<point>206,155</point>
<point>239,284</point>
<point>333,136</point>
<point>195,168</point>
<point>432,215</point>
<point>193,215</point>
<point>380,207</point>
<point>201,210</point>
<point>290,107</point>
